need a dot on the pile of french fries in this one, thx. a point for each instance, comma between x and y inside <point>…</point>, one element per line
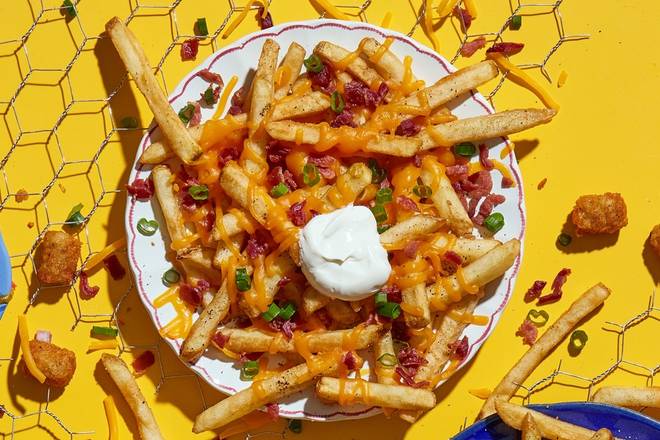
<point>282,106</point>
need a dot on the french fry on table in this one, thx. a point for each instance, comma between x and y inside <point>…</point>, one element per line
<point>251,341</point>
<point>132,54</point>
<point>477,274</point>
<point>401,233</point>
<point>386,358</point>
<point>603,434</point>
<point>554,335</point>
<point>123,378</point>
<point>269,390</point>
<point>204,327</point>
<point>628,396</point>
<point>387,64</point>
<point>357,67</point>
<point>290,108</point>
<point>371,393</point>
<point>530,430</point>
<point>480,128</point>
<point>313,300</point>
<point>291,66</point>
<point>550,427</point>
<point>162,177</point>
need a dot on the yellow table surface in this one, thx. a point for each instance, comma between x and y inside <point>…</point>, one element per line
<point>604,139</point>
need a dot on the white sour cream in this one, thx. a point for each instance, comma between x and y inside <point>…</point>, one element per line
<point>341,254</point>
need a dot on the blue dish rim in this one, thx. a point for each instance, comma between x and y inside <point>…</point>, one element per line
<point>563,406</point>
<point>5,270</point>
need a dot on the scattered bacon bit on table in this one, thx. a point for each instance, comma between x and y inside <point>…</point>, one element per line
<point>264,22</point>
<point>21,195</point>
<point>464,16</point>
<point>535,290</point>
<point>542,183</point>
<point>189,49</point>
<point>471,47</point>
<point>557,284</point>
<point>528,332</point>
<point>144,361</point>
<point>114,267</point>
<point>86,291</point>
<point>506,48</point>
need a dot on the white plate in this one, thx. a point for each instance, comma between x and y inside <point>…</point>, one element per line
<point>147,254</point>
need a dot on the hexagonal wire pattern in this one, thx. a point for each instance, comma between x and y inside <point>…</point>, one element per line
<point>20,137</point>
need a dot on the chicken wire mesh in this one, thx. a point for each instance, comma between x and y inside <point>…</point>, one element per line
<point>50,140</point>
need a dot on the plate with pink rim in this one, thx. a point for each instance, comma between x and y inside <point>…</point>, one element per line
<point>147,255</point>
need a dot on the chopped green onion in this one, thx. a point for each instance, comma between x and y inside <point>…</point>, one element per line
<point>421,190</point>
<point>313,63</point>
<point>311,175</point>
<point>171,276</point>
<point>104,331</point>
<point>186,113</point>
<point>379,213</point>
<point>564,239</point>
<point>249,370</point>
<point>389,310</point>
<point>128,122</point>
<point>388,360</point>
<point>279,190</point>
<point>295,426</point>
<point>209,96</point>
<point>538,317</point>
<point>69,8</point>
<point>337,102</point>
<point>75,217</point>
<point>242,279</point>
<point>516,22</point>
<point>199,192</point>
<point>383,195</point>
<point>378,174</point>
<point>380,298</point>
<point>382,228</point>
<point>201,29</point>
<point>287,311</point>
<point>577,342</point>
<point>494,222</point>
<point>465,149</point>
<point>272,312</point>
<point>147,227</point>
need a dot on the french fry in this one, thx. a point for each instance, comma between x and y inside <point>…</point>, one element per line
<point>253,157</point>
<point>398,235</point>
<point>384,348</point>
<point>550,427</point>
<point>371,393</point>
<point>223,253</point>
<point>603,434</point>
<point>357,67</point>
<point>203,329</point>
<point>132,54</point>
<point>162,177</point>
<point>415,305</point>
<point>628,396</point>
<point>444,198</point>
<point>584,305</point>
<point>477,274</point>
<point>231,224</point>
<point>481,128</point>
<point>373,142</point>
<point>279,267</point>
<point>199,262</point>
<point>123,378</point>
<point>388,64</point>
<point>251,341</point>
<point>270,390</point>
<point>306,105</point>
<point>291,66</point>
<point>342,313</point>
<point>530,430</point>
<point>313,300</point>
<point>469,248</point>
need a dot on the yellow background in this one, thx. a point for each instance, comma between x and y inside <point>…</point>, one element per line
<point>604,139</point>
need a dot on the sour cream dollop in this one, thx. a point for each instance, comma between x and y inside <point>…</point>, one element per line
<point>341,254</point>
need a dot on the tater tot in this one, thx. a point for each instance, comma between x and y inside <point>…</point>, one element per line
<point>59,257</point>
<point>57,364</point>
<point>599,214</point>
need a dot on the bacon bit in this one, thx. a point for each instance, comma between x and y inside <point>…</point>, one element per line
<point>349,360</point>
<point>114,267</point>
<point>490,202</point>
<point>211,77</point>
<point>542,183</point>
<point>407,203</point>
<point>410,250</point>
<point>507,182</point>
<point>208,222</point>
<point>2,413</point>
<point>451,261</point>
<point>228,154</point>
<point>86,291</point>
<point>385,183</point>
<point>237,101</point>
<point>324,317</point>
<point>220,340</point>
<point>408,127</point>
<point>557,284</point>
<point>458,171</point>
<point>409,362</point>
<point>464,16</point>
<point>264,22</point>
<point>459,349</point>
<point>471,47</point>
<point>283,281</point>
<point>21,195</point>
<point>400,331</point>
<point>325,165</point>
<point>483,158</point>
<point>297,214</point>
<point>258,244</point>
<point>189,49</point>
<point>280,175</point>
<point>273,409</point>
<point>144,361</point>
<point>276,153</point>
<point>245,357</point>
<point>43,336</point>
<point>453,257</point>
<point>343,118</point>
<point>528,332</point>
<point>506,48</point>
<point>30,225</point>
<point>141,189</point>
<point>356,94</point>
<point>535,290</point>
<point>197,115</point>
<point>408,378</point>
<point>285,326</point>
<point>323,79</point>
<point>393,293</point>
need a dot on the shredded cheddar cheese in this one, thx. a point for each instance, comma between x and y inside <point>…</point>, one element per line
<point>222,102</point>
<point>563,76</point>
<point>386,20</point>
<point>428,24</point>
<point>471,7</point>
<point>332,10</point>
<point>98,258</point>
<point>481,393</point>
<point>111,416</point>
<point>31,365</point>
<point>239,18</point>
<point>182,322</point>
<point>446,7</point>
<point>109,344</point>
